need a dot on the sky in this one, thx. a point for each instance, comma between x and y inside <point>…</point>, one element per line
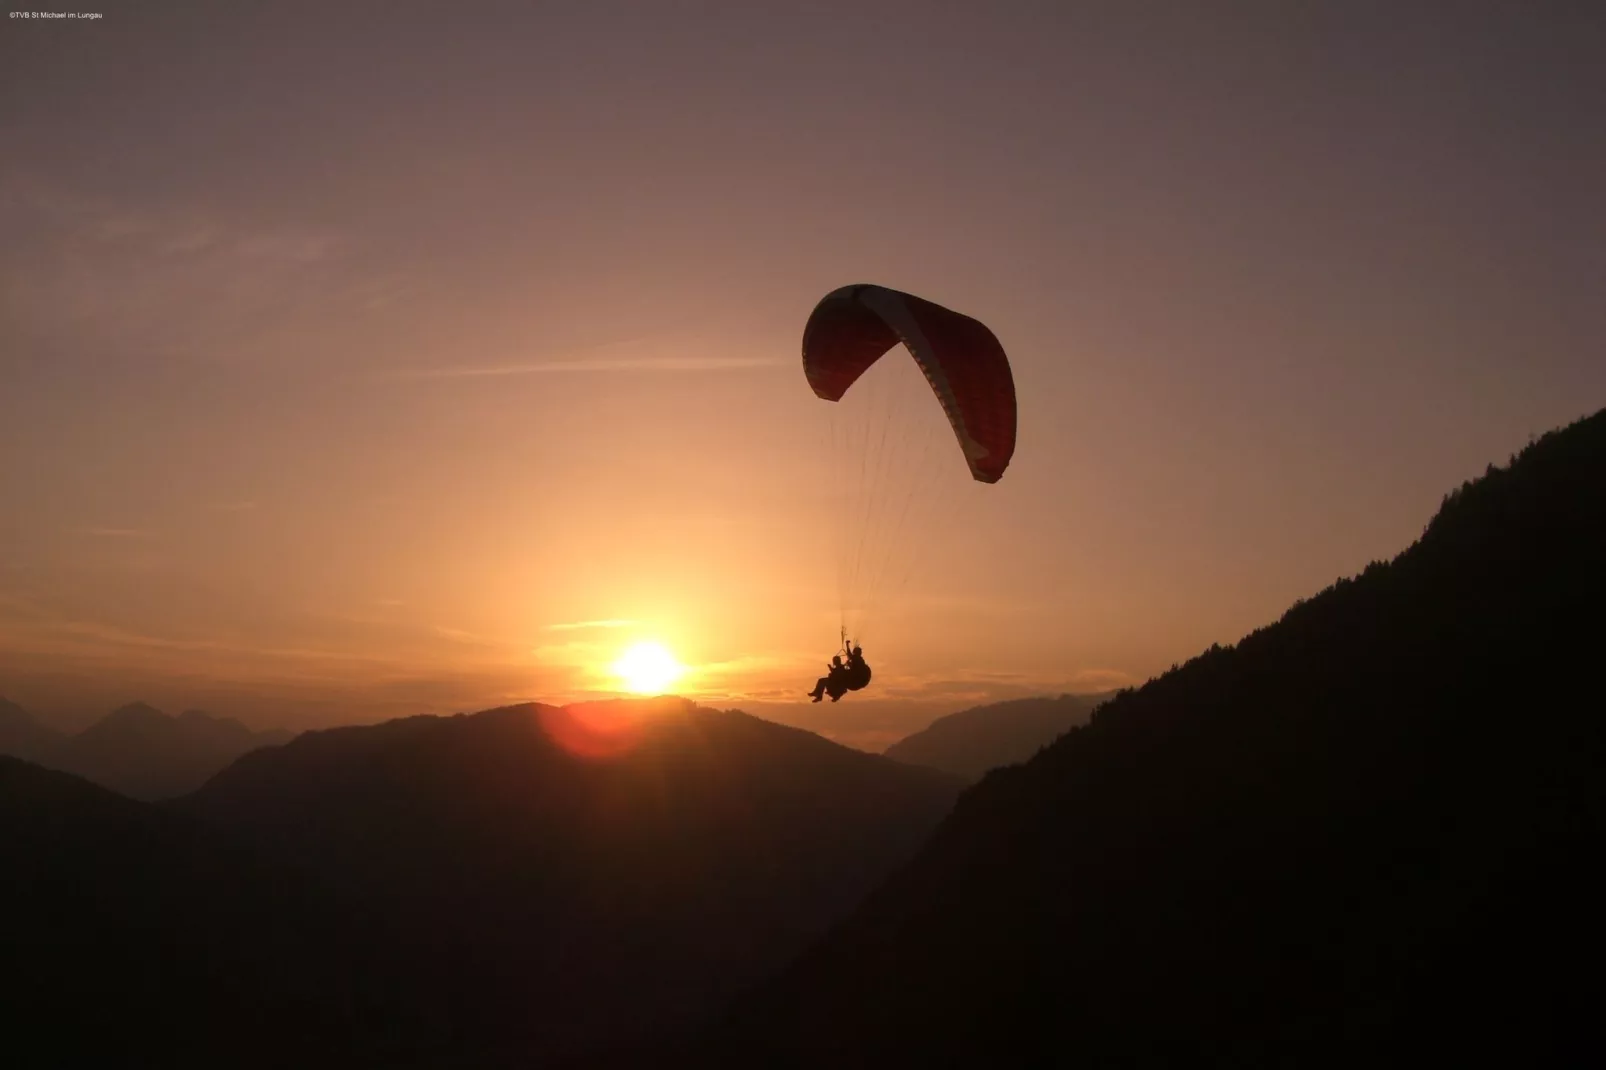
<point>360,360</point>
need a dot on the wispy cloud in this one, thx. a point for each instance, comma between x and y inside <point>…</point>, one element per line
<point>625,364</point>
<point>164,230</point>
<point>579,624</point>
<point>112,635</point>
<point>294,247</point>
<point>1103,680</point>
<point>116,533</point>
<point>458,635</point>
<point>90,273</point>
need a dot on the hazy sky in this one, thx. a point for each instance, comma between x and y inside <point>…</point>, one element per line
<point>352,354</point>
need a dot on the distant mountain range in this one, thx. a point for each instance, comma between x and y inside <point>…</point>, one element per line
<point>136,750</point>
<point>536,879</point>
<point>971,742</point>
<point>1367,833</point>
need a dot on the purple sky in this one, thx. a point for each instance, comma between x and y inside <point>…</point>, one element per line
<point>349,352</point>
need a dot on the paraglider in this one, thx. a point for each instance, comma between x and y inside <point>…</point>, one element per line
<point>965,366</point>
<point>842,677</point>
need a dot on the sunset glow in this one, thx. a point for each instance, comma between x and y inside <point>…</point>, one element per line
<point>656,535</point>
<point>314,420</point>
<point>647,668</point>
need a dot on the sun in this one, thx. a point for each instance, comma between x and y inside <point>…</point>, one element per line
<point>647,668</point>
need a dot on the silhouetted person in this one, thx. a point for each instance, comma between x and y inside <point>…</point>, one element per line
<point>856,673</point>
<point>834,682</point>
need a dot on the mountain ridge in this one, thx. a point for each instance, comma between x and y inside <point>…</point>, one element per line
<point>22,735</point>
<point>974,740</point>
<point>618,865</point>
<point>1346,833</point>
<point>136,749</point>
<point>131,929</point>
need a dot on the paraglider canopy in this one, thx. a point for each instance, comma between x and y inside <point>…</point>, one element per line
<point>853,327</point>
<point>892,480</point>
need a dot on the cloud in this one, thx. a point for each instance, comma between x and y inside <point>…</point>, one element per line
<point>92,221</point>
<point>295,247</point>
<point>123,637</point>
<point>577,625</point>
<point>95,275</point>
<point>115,533</point>
<point>1103,680</point>
<point>232,507</point>
<point>718,677</point>
<point>624,364</point>
<point>458,635</point>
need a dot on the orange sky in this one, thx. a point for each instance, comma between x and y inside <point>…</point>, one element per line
<point>352,366</point>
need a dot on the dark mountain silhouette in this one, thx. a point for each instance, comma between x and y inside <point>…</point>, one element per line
<point>141,752</point>
<point>969,743</point>
<point>134,936</point>
<point>23,737</point>
<point>574,874</point>
<point>1369,832</point>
